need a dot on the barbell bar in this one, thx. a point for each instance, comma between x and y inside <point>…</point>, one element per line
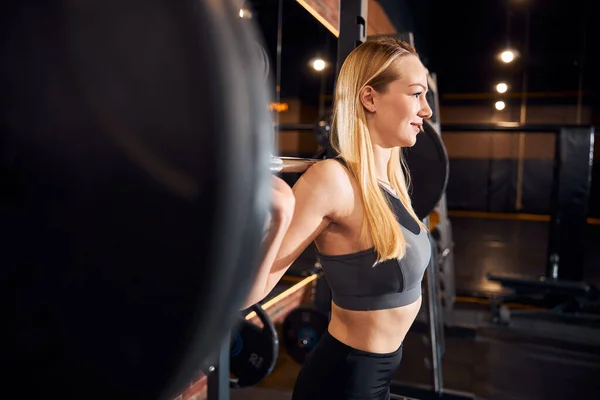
<point>291,164</point>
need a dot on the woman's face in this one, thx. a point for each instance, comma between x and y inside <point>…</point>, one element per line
<point>395,116</point>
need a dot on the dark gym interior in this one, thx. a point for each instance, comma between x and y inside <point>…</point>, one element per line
<point>102,293</point>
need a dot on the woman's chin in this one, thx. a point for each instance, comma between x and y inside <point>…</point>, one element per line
<point>408,140</point>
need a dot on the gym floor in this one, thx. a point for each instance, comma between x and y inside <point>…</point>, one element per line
<point>533,358</point>
<point>508,247</point>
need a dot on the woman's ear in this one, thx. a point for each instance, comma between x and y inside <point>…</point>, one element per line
<point>367,98</point>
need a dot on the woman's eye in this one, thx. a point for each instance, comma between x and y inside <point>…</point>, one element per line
<point>417,95</point>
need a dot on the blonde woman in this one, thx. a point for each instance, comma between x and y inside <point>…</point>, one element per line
<point>356,208</point>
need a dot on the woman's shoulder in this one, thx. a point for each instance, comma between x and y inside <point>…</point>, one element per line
<point>331,179</point>
<point>331,172</point>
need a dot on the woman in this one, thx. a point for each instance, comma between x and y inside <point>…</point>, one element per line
<point>356,208</point>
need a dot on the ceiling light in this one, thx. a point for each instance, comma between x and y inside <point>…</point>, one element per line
<point>507,56</point>
<point>319,64</point>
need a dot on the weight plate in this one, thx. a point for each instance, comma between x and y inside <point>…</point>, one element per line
<point>135,146</point>
<point>302,328</point>
<point>427,161</point>
<point>253,351</point>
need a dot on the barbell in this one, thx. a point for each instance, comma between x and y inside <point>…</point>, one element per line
<point>291,164</point>
<point>135,156</point>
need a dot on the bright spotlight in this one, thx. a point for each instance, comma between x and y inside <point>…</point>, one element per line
<point>319,64</point>
<point>507,56</point>
<point>500,105</point>
<point>502,87</point>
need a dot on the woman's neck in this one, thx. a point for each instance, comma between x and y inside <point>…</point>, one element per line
<point>381,157</point>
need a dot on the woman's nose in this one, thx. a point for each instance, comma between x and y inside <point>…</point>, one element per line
<point>425,111</point>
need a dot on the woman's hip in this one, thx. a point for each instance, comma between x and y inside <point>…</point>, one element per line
<point>334,370</point>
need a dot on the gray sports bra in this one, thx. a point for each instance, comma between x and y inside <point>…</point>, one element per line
<point>357,284</point>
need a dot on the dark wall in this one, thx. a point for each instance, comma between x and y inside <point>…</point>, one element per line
<point>484,173</point>
<point>413,16</point>
<point>491,185</point>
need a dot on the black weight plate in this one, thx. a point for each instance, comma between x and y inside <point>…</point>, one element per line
<point>302,328</point>
<point>253,354</point>
<point>427,161</point>
<point>135,156</point>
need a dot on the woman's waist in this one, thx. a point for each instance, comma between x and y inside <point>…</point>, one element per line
<point>377,331</point>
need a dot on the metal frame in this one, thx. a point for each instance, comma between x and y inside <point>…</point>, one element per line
<point>217,379</point>
<point>511,127</point>
<point>420,392</point>
<point>353,28</point>
<point>353,32</point>
<point>435,333</point>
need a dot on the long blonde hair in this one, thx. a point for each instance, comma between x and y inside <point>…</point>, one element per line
<point>371,64</point>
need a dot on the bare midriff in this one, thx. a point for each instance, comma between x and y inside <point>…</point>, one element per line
<point>374,331</point>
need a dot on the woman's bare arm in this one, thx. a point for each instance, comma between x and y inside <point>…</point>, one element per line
<point>282,211</point>
<point>315,200</point>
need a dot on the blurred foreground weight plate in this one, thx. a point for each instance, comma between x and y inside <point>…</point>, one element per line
<point>135,153</point>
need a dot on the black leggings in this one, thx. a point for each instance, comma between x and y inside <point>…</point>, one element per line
<point>336,371</point>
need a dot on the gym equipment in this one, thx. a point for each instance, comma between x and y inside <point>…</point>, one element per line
<point>136,202</point>
<point>301,330</point>
<point>352,28</point>
<point>432,304</point>
<point>441,228</point>
<point>291,164</point>
<point>428,164</point>
<point>561,292</point>
<point>253,350</point>
<point>219,379</point>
